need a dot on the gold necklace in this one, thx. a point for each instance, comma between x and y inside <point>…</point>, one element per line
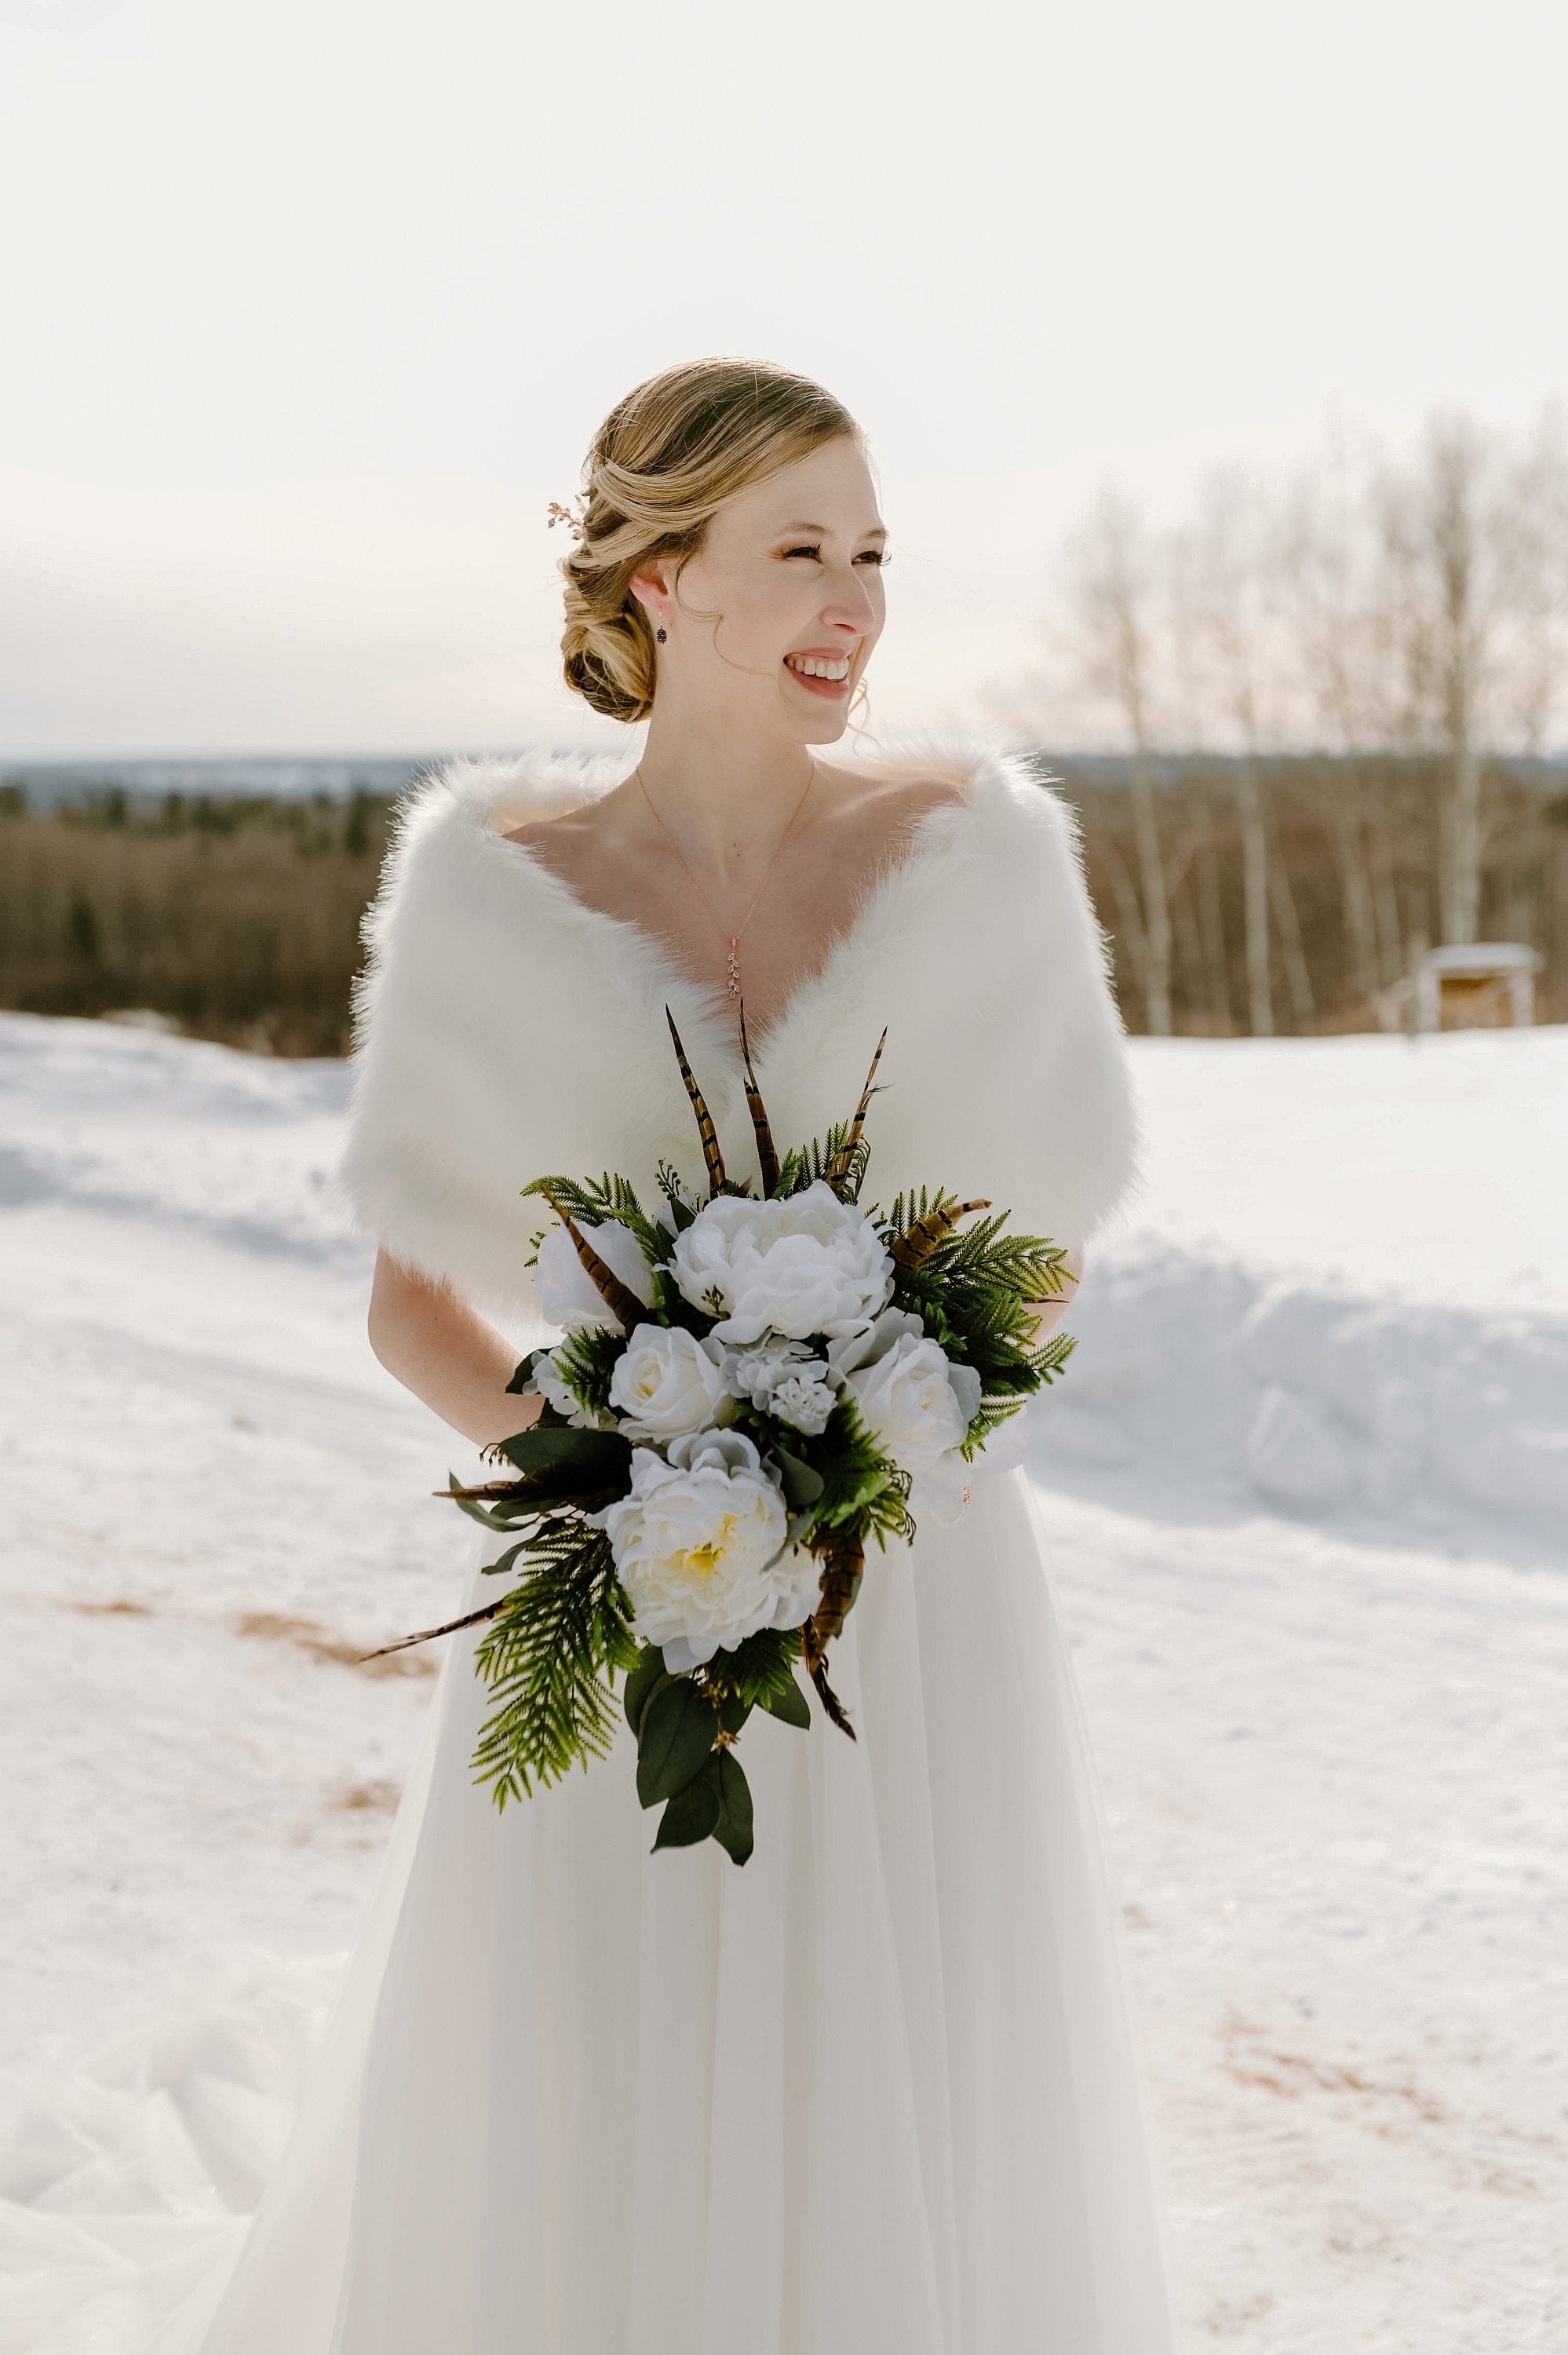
<point>732,967</point>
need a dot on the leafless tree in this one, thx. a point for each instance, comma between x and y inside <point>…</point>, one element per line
<point>1472,533</point>
<point>1340,622</point>
<point>1224,581</point>
<point>1113,587</point>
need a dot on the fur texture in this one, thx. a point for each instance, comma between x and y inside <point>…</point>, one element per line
<point>506,1031</point>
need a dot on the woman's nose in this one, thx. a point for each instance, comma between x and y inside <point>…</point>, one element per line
<point>851,606</point>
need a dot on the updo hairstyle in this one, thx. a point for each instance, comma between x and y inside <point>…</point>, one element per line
<point>665,459</point>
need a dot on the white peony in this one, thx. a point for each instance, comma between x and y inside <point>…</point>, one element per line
<point>911,1396</point>
<point>667,1382</point>
<point>808,1264</point>
<point>552,1384</point>
<point>700,1546</point>
<point>567,1293</point>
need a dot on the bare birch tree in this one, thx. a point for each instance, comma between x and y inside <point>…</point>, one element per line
<point>1222,592</point>
<point>1112,576</point>
<point>1470,560</point>
<point>1339,623</point>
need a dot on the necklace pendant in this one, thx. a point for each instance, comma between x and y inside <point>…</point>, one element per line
<point>733,969</point>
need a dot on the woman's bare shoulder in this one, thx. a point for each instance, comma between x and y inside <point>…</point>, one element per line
<point>574,843</point>
<point>889,801</point>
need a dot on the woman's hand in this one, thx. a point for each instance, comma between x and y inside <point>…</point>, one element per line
<point>447,1354</point>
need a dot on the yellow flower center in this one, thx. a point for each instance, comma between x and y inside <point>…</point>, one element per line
<point>702,1561</point>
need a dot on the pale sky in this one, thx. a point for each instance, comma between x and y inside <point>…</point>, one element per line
<point>308,307</point>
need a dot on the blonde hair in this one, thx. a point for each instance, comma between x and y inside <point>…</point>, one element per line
<point>662,463</point>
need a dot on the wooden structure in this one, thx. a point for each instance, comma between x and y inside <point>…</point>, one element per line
<point>1481,984</point>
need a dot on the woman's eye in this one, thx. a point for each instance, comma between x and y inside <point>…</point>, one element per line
<point>877,556</point>
<point>802,551</point>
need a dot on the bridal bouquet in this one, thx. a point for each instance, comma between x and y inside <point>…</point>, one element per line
<point>751,1387</point>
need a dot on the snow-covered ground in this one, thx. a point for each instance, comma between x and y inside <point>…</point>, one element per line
<point>1309,1484</point>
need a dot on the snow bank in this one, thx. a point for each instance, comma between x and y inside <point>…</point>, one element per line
<point>1326,1352</point>
<point>1343,1294</point>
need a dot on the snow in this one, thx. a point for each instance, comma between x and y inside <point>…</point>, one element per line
<point>1305,1481</point>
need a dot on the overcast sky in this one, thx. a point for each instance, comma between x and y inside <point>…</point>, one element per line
<point>308,307</point>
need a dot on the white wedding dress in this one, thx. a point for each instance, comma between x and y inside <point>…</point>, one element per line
<point>875,2092</point>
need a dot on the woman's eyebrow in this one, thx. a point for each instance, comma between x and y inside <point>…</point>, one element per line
<point>877,531</point>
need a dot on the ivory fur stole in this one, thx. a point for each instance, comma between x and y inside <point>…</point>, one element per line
<point>506,1031</point>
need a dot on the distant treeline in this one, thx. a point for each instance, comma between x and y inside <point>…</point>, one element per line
<point>236,917</point>
<point>1349,871</point>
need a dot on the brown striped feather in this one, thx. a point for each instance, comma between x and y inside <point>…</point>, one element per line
<point>712,1158</point>
<point>766,1158</point>
<point>916,1243</point>
<point>846,1155</point>
<point>619,1298</point>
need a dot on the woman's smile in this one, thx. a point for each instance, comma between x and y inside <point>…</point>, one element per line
<point>820,671</point>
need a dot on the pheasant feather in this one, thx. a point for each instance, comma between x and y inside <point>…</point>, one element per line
<point>916,1243</point>
<point>619,1298</point>
<point>767,1157</point>
<point>712,1158</point>
<point>844,1157</point>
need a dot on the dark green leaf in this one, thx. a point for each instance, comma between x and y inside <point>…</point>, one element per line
<point>678,1730</point>
<point>523,1379</point>
<point>790,1704</point>
<point>733,1829</point>
<point>694,1813</point>
<point>641,1685</point>
<point>734,1713</point>
<point>602,1454</point>
<point>803,1486</point>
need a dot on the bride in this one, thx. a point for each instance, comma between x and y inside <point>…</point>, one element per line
<point>876,2094</point>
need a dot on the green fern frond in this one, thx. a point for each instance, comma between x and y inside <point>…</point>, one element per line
<point>590,1201</point>
<point>804,1164</point>
<point>547,1657</point>
<point>587,1359</point>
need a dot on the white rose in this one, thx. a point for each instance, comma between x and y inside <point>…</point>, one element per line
<point>552,1384</point>
<point>808,1264</point>
<point>912,1398</point>
<point>667,1382</point>
<point>699,1543</point>
<point>567,1293</point>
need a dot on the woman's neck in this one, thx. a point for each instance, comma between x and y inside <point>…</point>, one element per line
<point>726,798</point>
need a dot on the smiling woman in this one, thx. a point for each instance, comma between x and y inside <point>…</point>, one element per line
<point>878,2092</point>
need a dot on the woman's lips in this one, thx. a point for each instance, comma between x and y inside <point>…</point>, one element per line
<point>835,689</point>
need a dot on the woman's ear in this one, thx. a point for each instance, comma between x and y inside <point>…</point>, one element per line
<point>654,587</point>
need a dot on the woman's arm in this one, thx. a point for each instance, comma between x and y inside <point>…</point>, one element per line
<point>447,1354</point>
<point>1050,1313</point>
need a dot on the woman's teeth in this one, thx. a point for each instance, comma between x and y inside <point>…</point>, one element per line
<point>819,666</point>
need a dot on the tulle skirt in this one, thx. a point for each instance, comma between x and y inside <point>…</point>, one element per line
<point>872,2094</point>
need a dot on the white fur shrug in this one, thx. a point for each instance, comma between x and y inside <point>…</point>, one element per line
<point>507,1031</point>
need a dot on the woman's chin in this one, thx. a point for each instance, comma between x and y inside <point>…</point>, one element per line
<point>819,722</point>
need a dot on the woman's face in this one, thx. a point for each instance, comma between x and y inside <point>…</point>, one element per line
<point>771,624</point>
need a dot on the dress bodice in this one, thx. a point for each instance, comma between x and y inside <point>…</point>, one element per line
<point>506,1031</point>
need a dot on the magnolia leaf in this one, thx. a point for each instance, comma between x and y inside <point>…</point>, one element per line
<point>732,1830</point>
<point>603,1455</point>
<point>695,1813</point>
<point>644,1681</point>
<point>789,1704</point>
<point>802,1485</point>
<point>522,1381</point>
<point>676,1734</point>
<point>734,1713</point>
